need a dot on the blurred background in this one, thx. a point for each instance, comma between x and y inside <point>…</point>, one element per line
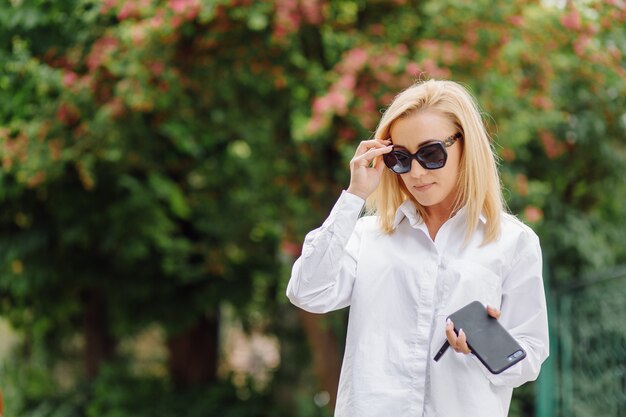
<point>161,161</point>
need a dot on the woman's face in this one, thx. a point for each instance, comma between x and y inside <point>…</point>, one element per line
<point>434,189</point>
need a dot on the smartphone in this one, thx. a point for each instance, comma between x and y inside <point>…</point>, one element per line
<point>489,341</point>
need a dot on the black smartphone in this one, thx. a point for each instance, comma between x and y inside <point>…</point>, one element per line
<point>492,344</point>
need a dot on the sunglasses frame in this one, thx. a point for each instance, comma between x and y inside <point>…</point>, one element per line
<point>445,143</point>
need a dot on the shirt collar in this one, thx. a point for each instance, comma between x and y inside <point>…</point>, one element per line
<point>408,210</point>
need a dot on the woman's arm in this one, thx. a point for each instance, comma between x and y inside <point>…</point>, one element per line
<point>524,314</point>
<point>322,278</point>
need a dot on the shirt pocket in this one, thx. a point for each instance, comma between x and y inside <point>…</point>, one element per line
<point>466,281</point>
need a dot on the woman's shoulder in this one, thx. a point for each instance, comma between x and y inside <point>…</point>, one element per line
<point>512,226</point>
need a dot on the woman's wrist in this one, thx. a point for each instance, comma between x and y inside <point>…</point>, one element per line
<point>357,193</point>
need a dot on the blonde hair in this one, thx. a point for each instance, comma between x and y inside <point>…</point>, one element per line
<point>478,183</point>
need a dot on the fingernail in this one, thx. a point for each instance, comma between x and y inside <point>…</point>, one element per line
<point>448,322</point>
<point>461,332</point>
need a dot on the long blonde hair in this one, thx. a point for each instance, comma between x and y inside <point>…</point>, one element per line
<point>478,183</point>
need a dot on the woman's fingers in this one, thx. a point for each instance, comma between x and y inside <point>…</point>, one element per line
<point>365,172</point>
<point>493,312</point>
<point>366,159</point>
<point>366,145</point>
<point>461,343</point>
<point>457,342</point>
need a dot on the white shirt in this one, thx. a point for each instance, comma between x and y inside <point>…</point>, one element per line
<point>400,289</point>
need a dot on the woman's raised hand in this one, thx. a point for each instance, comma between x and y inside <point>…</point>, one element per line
<point>366,166</point>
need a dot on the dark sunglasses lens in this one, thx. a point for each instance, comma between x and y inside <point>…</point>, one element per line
<point>432,156</point>
<point>397,161</point>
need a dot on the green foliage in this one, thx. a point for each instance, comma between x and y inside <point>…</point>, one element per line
<point>116,393</point>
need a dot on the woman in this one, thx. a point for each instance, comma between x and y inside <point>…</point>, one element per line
<point>438,239</point>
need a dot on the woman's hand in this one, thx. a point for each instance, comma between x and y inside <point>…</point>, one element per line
<point>366,168</point>
<point>459,343</point>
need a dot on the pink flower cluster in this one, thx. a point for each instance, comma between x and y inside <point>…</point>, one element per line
<point>449,53</point>
<point>572,20</point>
<point>290,14</point>
<point>101,50</point>
<point>551,145</point>
<point>365,76</point>
<point>533,214</point>
<point>340,93</point>
<point>134,9</point>
<point>184,11</point>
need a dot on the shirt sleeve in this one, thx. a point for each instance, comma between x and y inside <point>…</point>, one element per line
<point>524,313</point>
<point>322,278</point>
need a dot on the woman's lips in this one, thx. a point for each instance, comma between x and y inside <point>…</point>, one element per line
<point>423,187</point>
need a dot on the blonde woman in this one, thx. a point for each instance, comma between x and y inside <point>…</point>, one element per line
<point>435,239</point>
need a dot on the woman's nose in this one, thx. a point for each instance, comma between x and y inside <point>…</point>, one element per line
<point>416,169</point>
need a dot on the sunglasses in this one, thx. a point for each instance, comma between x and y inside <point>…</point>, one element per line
<point>430,156</point>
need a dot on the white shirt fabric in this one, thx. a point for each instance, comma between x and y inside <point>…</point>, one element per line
<point>400,289</point>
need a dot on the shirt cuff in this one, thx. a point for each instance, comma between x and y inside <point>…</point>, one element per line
<point>352,198</point>
<point>344,215</point>
<point>348,208</point>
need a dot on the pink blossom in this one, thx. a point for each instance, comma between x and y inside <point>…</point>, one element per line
<point>116,107</point>
<point>468,54</point>
<point>100,49</point>
<point>108,5</point>
<point>533,214</point>
<point>543,102</point>
<point>288,19</point>
<point>430,45</point>
<point>312,11</point>
<point>338,102</point>
<point>508,154</point>
<point>347,82</point>
<point>516,20</point>
<point>176,21</point>
<point>157,68</point>
<point>128,10</point>
<point>55,147</point>
<point>156,21</point>
<point>355,59</point>
<point>291,248</point>
<point>347,133</point>
<point>387,97</point>
<point>67,114</point>
<point>471,37</point>
<point>189,9</point>
<point>448,53</point>
<point>521,183</point>
<point>36,179</point>
<point>581,44</point>
<point>69,78</point>
<point>368,103</point>
<point>433,70</point>
<point>572,20</point>
<point>401,49</point>
<point>386,78</point>
<point>377,29</point>
<point>552,147</point>
<point>320,105</point>
<point>137,35</point>
<point>413,69</point>
<point>178,6</point>
<point>316,123</point>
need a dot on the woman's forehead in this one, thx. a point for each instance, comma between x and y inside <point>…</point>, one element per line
<point>416,129</point>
